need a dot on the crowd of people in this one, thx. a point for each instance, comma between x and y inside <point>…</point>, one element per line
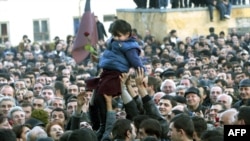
<point>163,4</point>
<point>135,88</point>
<point>224,7</point>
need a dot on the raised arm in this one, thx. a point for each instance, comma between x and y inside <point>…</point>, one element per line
<point>129,103</point>
<point>111,118</point>
<point>148,103</point>
<point>81,112</point>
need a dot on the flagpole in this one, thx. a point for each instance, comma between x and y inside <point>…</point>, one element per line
<point>80,10</point>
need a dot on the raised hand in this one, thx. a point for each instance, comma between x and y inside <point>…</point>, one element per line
<point>81,99</point>
<point>82,102</point>
<point>141,82</point>
<point>140,79</point>
<point>124,78</point>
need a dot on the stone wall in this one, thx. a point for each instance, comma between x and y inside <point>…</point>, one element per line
<point>187,21</point>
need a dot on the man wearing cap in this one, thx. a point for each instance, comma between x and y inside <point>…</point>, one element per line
<point>244,93</point>
<point>8,49</point>
<point>193,99</point>
<point>244,56</point>
<point>9,56</point>
<point>168,74</point>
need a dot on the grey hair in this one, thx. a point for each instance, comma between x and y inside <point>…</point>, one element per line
<point>229,98</point>
<point>168,81</point>
<point>180,87</point>
<point>14,109</point>
<point>56,98</point>
<point>7,98</point>
<point>36,133</point>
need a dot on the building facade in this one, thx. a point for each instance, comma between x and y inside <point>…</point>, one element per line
<point>43,20</point>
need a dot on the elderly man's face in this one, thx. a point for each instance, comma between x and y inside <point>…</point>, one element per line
<point>5,106</point>
<point>8,91</point>
<point>168,88</point>
<point>18,117</point>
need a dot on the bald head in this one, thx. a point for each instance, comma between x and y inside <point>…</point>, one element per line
<point>225,99</point>
<point>157,97</point>
<point>228,117</point>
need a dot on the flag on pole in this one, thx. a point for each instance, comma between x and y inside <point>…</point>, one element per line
<point>87,25</point>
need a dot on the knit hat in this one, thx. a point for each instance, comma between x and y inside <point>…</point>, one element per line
<point>203,83</point>
<point>244,83</point>
<point>192,90</point>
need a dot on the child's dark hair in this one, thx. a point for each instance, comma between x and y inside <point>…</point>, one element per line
<point>120,26</point>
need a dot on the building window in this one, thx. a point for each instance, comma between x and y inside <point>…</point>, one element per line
<point>76,22</point>
<point>41,30</point>
<point>4,34</point>
<point>108,18</point>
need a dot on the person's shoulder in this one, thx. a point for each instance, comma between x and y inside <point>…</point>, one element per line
<point>131,41</point>
<point>127,45</point>
<point>237,104</point>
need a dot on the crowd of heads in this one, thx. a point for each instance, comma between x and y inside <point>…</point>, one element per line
<point>196,85</point>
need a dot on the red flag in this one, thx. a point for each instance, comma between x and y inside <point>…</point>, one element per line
<point>87,25</point>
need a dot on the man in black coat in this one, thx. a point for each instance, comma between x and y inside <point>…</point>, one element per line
<point>100,29</point>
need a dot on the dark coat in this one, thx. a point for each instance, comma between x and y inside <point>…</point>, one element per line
<point>100,30</point>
